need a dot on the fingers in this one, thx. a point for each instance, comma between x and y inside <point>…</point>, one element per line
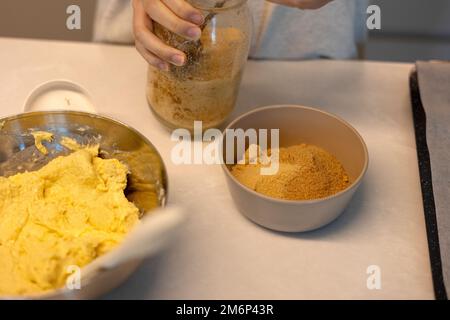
<point>185,11</point>
<point>151,58</point>
<point>157,47</point>
<point>302,4</point>
<point>159,12</point>
<point>153,49</point>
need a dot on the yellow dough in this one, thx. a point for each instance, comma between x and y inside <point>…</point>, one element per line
<point>39,137</point>
<point>67,213</point>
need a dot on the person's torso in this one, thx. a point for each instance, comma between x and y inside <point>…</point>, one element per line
<point>279,32</point>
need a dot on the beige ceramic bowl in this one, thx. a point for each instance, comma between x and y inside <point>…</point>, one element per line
<point>297,125</point>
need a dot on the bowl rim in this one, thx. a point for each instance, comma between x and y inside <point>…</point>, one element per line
<point>62,291</point>
<point>350,187</point>
<point>3,120</point>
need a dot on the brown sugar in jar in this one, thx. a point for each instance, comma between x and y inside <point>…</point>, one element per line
<point>206,87</point>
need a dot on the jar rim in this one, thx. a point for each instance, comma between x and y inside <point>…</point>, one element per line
<point>209,5</point>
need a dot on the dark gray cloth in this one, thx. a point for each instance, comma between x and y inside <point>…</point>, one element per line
<point>434,85</point>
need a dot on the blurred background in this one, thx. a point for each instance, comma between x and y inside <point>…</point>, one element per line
<point>411,29</point>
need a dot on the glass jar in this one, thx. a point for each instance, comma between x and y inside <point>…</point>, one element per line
<point>206,87</point>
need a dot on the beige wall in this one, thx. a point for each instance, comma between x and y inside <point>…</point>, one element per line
<point>411,29</point>
<point>45,19</point>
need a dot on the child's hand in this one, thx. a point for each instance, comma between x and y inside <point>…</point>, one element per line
<point>181,18</point>
<point>176,15</point>
<point>302,4</point>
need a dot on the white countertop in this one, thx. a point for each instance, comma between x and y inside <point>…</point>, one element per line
<point>221,254</point>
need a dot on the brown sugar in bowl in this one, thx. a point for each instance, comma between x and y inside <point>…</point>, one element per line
<point>297,125</point>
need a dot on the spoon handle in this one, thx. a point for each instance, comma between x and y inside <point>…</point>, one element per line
<point>211,15</point>
<point>155,231</point>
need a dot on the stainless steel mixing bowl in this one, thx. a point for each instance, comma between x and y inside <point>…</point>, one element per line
<point>147,180</point>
